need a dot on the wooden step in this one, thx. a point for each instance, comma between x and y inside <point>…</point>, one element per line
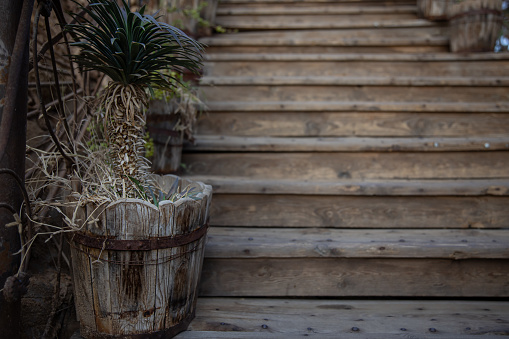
<point>301,8</point>
<point>382,80</point>
<point>357,106</point>
<point>314,2</point>
<point>367,94</point>
<point>220,143</point>
<point>347,210</point>
<point>335,38</point>
<point>351,124</point>
<point>322,21</point>
<point>250,243</point>
<point>237,318</point>
<point>356,65</point>
<point>418,47</point>
<point>351,165</point>
<point>237,258</point>
<point>458,187</point>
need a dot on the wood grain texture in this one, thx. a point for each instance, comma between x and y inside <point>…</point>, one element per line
<point>326,277</point>
<point>220,143</point>
<point>355,166</point>
<point>469,187</point>
<point>349,124</point>
<point>336,37</point>
<point>242,242</point>
<point>359,212</point>
<point>327,66</point>
<point>360,106</point>
<point>366,93</point>
<point>284,318</point>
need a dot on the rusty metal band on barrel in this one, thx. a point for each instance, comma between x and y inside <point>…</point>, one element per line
<point>105,243</point>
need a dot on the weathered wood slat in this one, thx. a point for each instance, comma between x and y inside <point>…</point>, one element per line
<point>413,72</point>
<point>328,277</point>
<point>242,242</point>
<point>359,106</point>
<point>348,124</point>
<point>479,187</point>
<point>367,94</point>
<point>349,144</point>
<point>285,318</point>
<point>279,22</point>
<point>300,8</point>
<point>476,58</point>
<point>418,47</point>
<point>356,166</point>
<point>338,37</point>
<point>421,81</point>
<point>359,212</point>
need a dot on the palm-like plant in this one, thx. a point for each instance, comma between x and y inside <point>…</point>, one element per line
<point>132,49</point>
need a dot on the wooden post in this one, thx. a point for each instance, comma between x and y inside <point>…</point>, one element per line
<point>14,30</point>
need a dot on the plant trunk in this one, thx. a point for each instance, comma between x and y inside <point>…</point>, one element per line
<point>13,109</point>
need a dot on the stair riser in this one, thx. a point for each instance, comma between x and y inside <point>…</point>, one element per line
<point>360,69</point>
<point>246,210</point>
<point>316,8</point>
<point>353,124</point>
<point>355,93</point>
<point>351,165</point>
<point>328,49</point>
<point>355,278</point>
<point>279,22</point>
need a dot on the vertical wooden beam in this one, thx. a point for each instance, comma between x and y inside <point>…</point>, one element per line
<point>13,51</point>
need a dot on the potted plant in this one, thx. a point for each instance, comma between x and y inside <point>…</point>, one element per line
<point>170,120</point>
<point>138,242</point>
<point>475,25</point>
<point>433,9</point>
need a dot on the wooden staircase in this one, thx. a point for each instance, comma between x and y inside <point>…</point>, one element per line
<point>360,173</point>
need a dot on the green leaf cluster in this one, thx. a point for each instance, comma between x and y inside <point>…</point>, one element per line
<point>131,47</point>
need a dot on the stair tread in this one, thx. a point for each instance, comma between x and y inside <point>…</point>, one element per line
<point>244,242</point>
<point>348,187</point>
<point>355,81</point>
<point>324,8</point>
<point>231,318</point>
<point>285,22</point>
<point>345,144</point>
<point>357,106</point>
<point>334,37</point>
<point>475,57</point>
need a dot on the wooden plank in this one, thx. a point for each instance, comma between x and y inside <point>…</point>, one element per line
<point>303,49</point>
<point>321,66</point>
<point>359,212</point>
<point>287,21</point>
<point>473,58</point>
<point>221,143</point>
<point>335,37</point>
<point>349,124</point>
<point>234,334</point>
<point>133,293</point>
<point>479,187</point>
<point>327,277</point>
<point>383,80</point>
<point>335,8</point>
<point>355,166</point>
<point>284,318</point>
<point>242,242</point>
<point>358,106</point>
<point>367,94</point>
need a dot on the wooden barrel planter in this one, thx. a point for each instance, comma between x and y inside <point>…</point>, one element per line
<point>433,9</point>
<point>475,25</point>
<point>136,266</point>
<point>167,141</point>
